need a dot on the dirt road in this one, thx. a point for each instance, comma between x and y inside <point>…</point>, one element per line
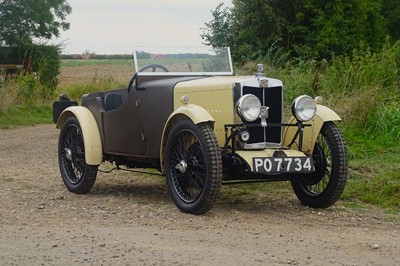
<point>129,219</point>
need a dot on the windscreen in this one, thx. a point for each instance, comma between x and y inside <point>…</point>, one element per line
<point>183,61</point>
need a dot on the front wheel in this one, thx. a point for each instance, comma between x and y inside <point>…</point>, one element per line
<point>323,187</point>
<point>78,176</point>
<point>193,166</point>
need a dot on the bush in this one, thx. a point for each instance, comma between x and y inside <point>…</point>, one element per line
<point>365,86</point>
<point>25,89</point>
<point>46,62</point>
<point>41,60</point>
<point>8,92</point>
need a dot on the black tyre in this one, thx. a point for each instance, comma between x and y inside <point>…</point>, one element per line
<point>193,166</point>
<point>78,176</point>
<point>323,188</point>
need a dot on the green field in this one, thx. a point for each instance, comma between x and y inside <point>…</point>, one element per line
<point>95,62</point>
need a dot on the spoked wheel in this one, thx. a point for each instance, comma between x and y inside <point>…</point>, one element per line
<point>78,176</point>
<point>323,187</point>
<point>193,166</point>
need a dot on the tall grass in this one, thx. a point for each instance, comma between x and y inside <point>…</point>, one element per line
<point>25,89</point>
<point>364,89</point>
<point>8,92</point>
<point>23,101</point>
<point>367,84</point>
<point>97,83</point>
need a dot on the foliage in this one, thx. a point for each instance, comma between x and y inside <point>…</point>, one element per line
<point>306,29</point>
<point>391,11</point>
<point>8,92</point>
<point>367,84</point>
<point>218,32</point>
<point>338,26</point>
<point>10,55</point>
<point>41,60</point>
<point>258,25</point>
<point>31,88</point>
<point>21,102</point>
<point>364,89</point>
<point>46,63</point>
<point>23,90</point>
<point>22,21</point>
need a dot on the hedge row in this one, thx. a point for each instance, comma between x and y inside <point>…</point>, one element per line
<point>42,60</point>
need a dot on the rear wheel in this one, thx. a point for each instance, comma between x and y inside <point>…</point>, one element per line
<point>193,166</point>
<point>323,187</point>
<point>77,176</point>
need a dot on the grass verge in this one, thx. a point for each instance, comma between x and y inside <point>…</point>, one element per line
<point>25,116</point>
<point>374,169</point>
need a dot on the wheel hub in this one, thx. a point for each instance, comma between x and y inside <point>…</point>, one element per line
<point>181,166</point>
<point>68,154</point>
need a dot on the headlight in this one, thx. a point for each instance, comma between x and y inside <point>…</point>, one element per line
<point>304,108</point>
<point>248,107</point>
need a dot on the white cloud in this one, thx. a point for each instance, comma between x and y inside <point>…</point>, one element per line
<point>118,26</point>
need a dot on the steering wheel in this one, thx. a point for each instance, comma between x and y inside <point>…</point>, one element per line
<point>154,67</point>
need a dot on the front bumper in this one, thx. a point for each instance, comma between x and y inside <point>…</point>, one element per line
<point>268,160</point>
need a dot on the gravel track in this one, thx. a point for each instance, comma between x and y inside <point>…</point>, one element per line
<point>129,219</point>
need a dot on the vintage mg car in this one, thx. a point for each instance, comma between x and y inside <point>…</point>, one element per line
<point>191,118</point>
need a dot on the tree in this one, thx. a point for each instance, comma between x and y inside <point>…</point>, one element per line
<point>218,32</point>
<point>23,21</point>
<point>304,28</point>
<point>256,25</point>
<point>391,11</point>
<point>339,26</point>
<point>248,28</point>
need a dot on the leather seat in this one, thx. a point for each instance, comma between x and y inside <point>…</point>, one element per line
<point>113,101</point>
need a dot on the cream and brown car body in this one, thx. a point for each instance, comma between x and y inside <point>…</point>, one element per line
<point>132,126</point>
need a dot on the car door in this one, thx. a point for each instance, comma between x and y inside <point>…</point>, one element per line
<point>155,100</point>
<point>123,128</point>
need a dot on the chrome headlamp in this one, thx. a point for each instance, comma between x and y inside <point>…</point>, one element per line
<point>248,107</point>
<point>304,108</point>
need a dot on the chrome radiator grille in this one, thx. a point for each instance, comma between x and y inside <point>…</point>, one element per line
<point>272,98</point>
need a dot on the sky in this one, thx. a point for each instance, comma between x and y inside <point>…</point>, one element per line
<point>118,26</point>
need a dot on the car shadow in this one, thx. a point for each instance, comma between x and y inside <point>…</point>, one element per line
<point>150,192</point>
<point>153,190</point>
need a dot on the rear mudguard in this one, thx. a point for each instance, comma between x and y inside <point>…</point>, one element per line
<point>322,115</point>
<point>90,132</point>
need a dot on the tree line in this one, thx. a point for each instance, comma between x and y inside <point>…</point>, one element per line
<point>302,28</point>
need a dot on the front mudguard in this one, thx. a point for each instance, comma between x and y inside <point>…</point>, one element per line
<point>323,114</point>
<point>194,112</point>
<point>90,132</point>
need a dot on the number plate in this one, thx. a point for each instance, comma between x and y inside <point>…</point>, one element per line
<point>275,165</point>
